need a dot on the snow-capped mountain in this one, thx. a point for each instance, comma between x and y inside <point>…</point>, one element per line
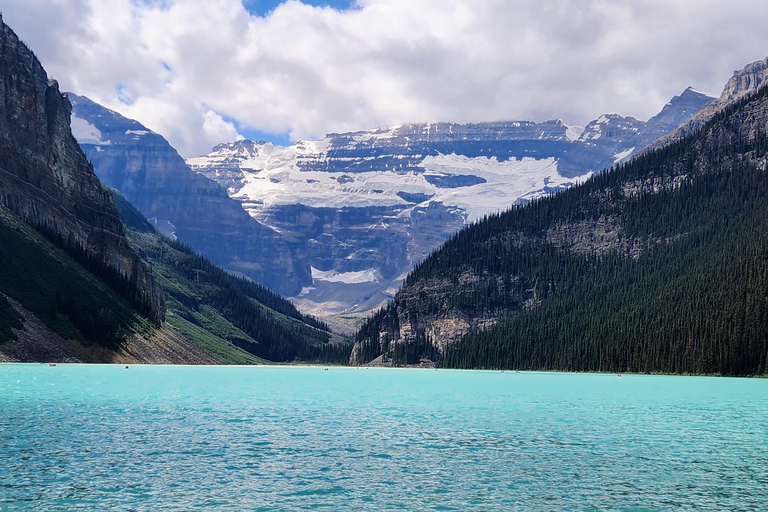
<point>369,205</point>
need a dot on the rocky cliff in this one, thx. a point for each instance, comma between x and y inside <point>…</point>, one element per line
<point>184,204</point>
<point>45,178</point>
<point>370,205</point>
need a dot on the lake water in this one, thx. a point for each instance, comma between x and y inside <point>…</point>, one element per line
<point>100,437</point>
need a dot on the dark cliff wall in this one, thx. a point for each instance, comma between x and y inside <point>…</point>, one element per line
<point>46,179</point>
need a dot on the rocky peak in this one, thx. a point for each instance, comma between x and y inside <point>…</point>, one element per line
<point>242,147</point>
<point>46,179</point>
<point>680,109</point>
<point>743,82</point>
<point>610,126</point>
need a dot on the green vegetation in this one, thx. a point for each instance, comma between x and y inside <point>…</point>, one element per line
<point>220,348</point>
<point>234,319</point>
<point>130,216</point>
<point>70,300</point>
<point>682,288</point>
<point>698,304</point>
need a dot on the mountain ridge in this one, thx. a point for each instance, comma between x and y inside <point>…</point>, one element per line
<point>377,202</point>
<point>47,181</point>
<point>744,81</point>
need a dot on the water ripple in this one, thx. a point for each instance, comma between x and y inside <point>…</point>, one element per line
<point>78,437</point>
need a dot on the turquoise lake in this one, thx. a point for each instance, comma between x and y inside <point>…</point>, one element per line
<point>100,437</point>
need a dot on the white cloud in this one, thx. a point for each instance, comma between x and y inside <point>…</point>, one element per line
<point>191,66</point>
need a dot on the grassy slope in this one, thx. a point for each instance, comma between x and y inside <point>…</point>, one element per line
<point>212,309</point>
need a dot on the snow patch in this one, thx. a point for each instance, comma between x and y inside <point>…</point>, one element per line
<point>85,132</point>
<point>506,183</point>
<point>306,291</point>
<point>618,157</point>
<point>332,276</point>
<point>572,133</point>
<point>271,176</point>
<point>137,132</point>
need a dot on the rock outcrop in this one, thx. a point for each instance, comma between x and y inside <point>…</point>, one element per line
<point>46,179</point>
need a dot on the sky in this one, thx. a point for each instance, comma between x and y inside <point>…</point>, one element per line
<point>201,72</point>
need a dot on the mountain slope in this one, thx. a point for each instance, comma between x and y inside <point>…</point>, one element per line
<point>233,319</point>
<point>655,266</point>
<point>62,312</point>
<point>370,205</point>
<point>72,287</point>
<point>152,176</point>
<point>75,271</point>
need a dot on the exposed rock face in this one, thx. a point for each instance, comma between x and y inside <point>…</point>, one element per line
<point>46,179</point>
<point>153,177</point>
<point>744,81</point>
<point>370,205</point>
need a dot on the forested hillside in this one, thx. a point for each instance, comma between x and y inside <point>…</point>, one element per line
<point>658,265</point>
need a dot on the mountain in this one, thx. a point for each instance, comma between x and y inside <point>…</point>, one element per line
<point>52,308</point>
<point>75,278</point>
<point>658,265</point>
<point>370,205</point>
<point>46,180</point>
<point>69,278</point>
<point>181,203</point>
<point>744,81</point>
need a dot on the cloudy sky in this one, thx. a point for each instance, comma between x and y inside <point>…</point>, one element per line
<point>207,71</point>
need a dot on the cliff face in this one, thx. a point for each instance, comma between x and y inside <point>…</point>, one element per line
<point>144,167</point>
<point>46,179</point>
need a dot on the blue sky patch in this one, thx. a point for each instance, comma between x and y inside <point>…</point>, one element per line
<point>275,138</point>
<point>262,7</point>
<point>121,91</point>
<point>278,139</point>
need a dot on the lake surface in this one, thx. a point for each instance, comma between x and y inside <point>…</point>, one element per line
<point>100,437</point>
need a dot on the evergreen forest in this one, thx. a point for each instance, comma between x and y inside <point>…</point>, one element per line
<point>657,265</point>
